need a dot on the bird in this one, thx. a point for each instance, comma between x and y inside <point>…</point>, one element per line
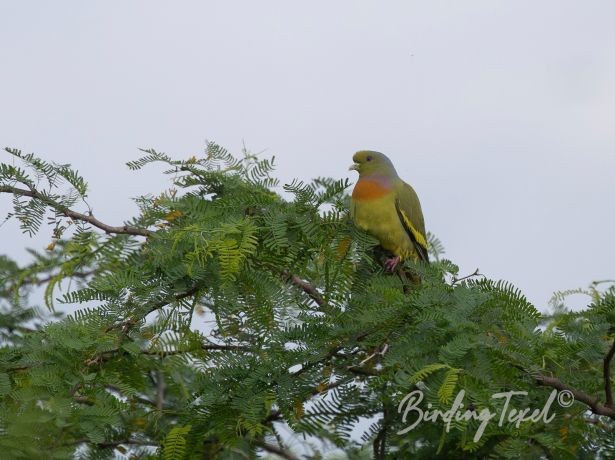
<point>386,207</point>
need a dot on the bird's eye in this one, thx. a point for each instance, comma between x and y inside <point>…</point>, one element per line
<point>369,158</point>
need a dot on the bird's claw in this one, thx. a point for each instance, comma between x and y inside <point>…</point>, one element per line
<point>390,264</point>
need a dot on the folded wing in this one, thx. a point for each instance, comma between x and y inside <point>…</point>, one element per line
<point>411,216</point>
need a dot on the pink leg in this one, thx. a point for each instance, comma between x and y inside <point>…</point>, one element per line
<point>390,264</point>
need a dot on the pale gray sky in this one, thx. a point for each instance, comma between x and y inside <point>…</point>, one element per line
<point>500,114</point>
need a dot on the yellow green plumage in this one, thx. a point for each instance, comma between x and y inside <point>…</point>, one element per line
<point>388,208</point>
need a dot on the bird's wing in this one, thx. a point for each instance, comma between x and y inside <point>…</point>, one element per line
<point>411,216</point>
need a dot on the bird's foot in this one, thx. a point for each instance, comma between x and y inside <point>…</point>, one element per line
<point>390,264</point>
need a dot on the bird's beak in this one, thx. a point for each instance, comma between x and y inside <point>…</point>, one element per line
<point>354,167</point>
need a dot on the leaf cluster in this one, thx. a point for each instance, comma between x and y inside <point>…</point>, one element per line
<point>242,314</point>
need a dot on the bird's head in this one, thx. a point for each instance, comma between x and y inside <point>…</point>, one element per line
<point>368,162</point>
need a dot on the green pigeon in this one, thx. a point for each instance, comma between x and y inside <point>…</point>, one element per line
<point>386,207</point>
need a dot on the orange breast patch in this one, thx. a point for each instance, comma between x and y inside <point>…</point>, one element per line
<point>366,189</point>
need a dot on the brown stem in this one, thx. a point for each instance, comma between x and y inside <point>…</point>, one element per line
<point>379,445</point>
<point>213,346</point>
<point>205,346</point>
<point>126,324</point>
<point>137,398</point>
<point>276,415</point>
<point>276,450</point>
<point>305,286</point>
<point>107,444</point>
<point>579,395</point>
<point>39,281</point>
<point>83,400</point>
<point>456,280</point>
<point>193,290</point>
<point>35,194</point>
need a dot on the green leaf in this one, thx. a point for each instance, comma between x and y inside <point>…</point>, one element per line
<point>427,371</point>
<point>5,384</point>
<point>174,445</point>
<point>445,393</point>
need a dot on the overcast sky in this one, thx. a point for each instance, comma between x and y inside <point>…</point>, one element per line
<point>499,113</point>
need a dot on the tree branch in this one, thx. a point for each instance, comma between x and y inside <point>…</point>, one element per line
<point>276,450</point>
<point>107,444</point>
<point>379,444</point>
<point>216,347</point>
<point>136,397</point>
<point>579,395</point>
<point>276,415</point>
<point>83,400</point>
<point>182,295</point>
<point>58,207</point>
<point>126,324</point>
<point>205,346</point>
<point>40,281</point>
<point>305,286</point>
<point>471,275</point>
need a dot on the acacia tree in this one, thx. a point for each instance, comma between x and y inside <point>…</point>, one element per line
<point>300,329</point>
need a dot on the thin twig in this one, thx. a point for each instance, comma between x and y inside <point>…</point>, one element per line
<point>379,445</point>
<point>128,323</point>
<point>107,444</point>
<point>205,346</point>
<point>136,397</point>
<point>225,347</point>
<point>83,400</point>
<point>276,450</point>
<point>60,208</point>
<point>276,415</point>
<point>376,353</point>
<point>305,286</point>
<point>456,280</point>
<point>163,303</point>
<point>39,281</point>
